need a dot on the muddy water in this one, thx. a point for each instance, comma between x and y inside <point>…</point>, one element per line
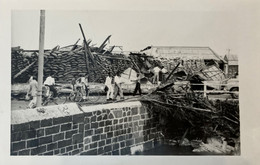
<point>166,149</point>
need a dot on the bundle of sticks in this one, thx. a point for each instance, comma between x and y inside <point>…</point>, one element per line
<point>179,102</point>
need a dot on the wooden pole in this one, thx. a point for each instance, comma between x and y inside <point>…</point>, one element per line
<point>87,47</point>
<point>205,89</point>
<point>40,58</point>
<point>86,58</point>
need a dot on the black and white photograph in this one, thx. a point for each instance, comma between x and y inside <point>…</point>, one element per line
<point>138,83</point>
<point>91,98</point>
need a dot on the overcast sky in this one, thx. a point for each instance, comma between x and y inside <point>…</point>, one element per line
<point>134,30</point>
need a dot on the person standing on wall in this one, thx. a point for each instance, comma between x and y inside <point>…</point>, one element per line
<point>138,85</point>
<point>33,87</point>
<point>50,82</point>
<point>117,87</point>
<point>109,85</point>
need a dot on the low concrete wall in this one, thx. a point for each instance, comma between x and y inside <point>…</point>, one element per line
<point>109,129</point>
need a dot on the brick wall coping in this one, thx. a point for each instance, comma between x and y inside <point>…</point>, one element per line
<point>111,106</point>
<point>40,113</point>
<point>56,111</point>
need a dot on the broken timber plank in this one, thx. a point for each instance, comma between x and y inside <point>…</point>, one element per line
<point>172,72</point>
<point>23,70</point>
<point>86,58</point>
<point>87,46</point>
<point>103,44</point>
<point>75,45</point>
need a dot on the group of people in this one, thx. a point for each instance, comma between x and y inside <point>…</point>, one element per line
<point>113,87</point>
<point>159,74</point>
<point>81,84</point>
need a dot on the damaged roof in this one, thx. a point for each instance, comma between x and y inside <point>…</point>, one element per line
<point>188,52</point>
<point>232,59</point>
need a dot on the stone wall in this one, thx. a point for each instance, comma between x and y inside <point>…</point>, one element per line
<point>109,129</point>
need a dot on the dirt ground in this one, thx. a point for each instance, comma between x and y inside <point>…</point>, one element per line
<point>22,104</point>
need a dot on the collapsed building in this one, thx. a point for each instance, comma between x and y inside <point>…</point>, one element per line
<point>194,64</point>
<point>192,60</point>
<point>68,62</point>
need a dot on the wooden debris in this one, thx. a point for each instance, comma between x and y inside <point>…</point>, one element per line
<point>203,117</point>
<point>23,70</point>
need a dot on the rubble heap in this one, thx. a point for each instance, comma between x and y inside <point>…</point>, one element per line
<point>65,64</point>
<point>189,111</point>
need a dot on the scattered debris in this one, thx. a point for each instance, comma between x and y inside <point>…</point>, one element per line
<point>201,118</point>
<point>215,145</point>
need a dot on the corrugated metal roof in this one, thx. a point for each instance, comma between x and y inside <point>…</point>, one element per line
<point>231,57</point>
<point>183,52</point>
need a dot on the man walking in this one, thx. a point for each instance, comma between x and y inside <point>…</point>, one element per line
<point>109,85</point>
<point>117,88</point>
<point>33,87</point>
<point>156,71</point>
<point>138,85</point>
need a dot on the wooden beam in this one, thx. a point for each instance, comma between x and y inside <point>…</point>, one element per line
<point>172,71</point>
<point>87,46</point>
<point>23,70</point>
<point>103,44</point>
<point>75,45</point>
<point>86,58</point>
<point>135,65</point>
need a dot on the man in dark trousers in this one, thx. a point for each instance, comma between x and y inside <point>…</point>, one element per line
<point>138,85</point>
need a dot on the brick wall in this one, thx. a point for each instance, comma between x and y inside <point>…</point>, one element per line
<point>110,129</point>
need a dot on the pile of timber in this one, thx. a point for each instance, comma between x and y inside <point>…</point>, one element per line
<point>203,118</point>
<point>65,64</point>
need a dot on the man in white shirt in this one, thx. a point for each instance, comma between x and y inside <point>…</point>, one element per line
<point>82,82</point>
<point>33,88</point>
<point>117,87</point>
<point>110,86</point>
<point>156,71</point>
<point>164,72</point>
<point>50,82</point>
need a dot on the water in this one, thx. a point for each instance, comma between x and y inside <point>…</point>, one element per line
<point>166,149</point>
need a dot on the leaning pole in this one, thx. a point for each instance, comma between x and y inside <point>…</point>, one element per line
<point>41,58</point>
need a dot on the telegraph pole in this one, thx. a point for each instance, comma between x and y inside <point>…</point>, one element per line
<point>41,58</point>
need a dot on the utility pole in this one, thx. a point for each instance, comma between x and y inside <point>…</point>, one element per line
<point>41,58</point>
